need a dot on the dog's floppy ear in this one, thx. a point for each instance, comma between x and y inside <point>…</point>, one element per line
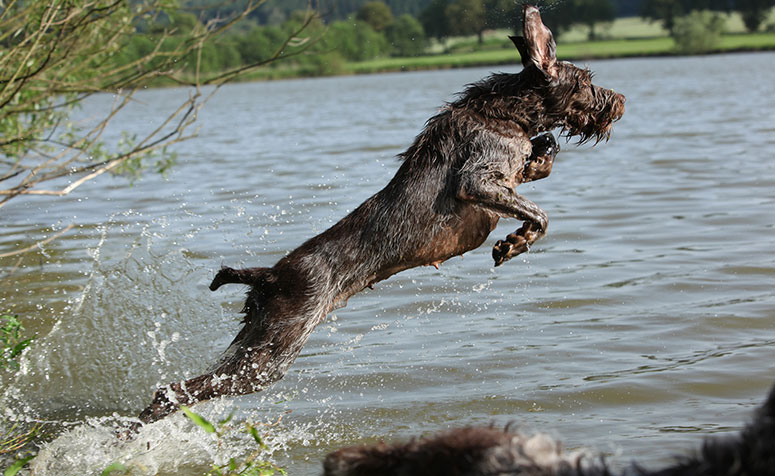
<point>519,42</point>
<point>538,42</point>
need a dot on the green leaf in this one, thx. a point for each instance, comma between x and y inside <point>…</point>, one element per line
<point>20,347</point>
<point>198,419</point>
<point>226,420</point>
<point>17,466</point>
<point>116,466</point>
<point>254,433</point>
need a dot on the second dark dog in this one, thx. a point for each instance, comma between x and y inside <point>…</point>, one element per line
<point>491,451</point>
<point>456,181</point>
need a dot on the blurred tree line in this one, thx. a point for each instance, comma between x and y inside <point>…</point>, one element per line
<point>444,18</point>
<point>371,31</point>
<point>667,12</point>
<point>357,30</point>
<point>274,12</point>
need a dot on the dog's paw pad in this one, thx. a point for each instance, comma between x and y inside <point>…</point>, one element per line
<point>505,250</point>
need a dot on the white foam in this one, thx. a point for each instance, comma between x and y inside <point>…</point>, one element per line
<point>173,445</point>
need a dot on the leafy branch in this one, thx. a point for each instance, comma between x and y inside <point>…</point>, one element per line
<point>55,54</point>
<point>11,342</point>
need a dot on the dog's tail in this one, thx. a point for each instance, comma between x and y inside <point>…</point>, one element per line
<point>256,278</point>
<point>249,276</point>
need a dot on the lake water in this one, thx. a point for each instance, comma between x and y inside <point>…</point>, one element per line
<point>643,322</point>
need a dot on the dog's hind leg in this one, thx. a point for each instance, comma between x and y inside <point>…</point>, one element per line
<point>276,329</point>
<point>252,363</point>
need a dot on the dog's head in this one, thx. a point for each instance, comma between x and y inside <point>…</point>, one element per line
<point>569,98</point>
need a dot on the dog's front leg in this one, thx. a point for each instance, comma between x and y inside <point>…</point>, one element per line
<point>503,200</point>
<point>537,166</point>
<point>516,243</point>
<point>488,179</point>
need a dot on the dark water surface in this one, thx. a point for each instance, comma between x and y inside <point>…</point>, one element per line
<point>644,321</point>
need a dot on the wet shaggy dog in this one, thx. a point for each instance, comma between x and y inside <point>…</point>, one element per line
<point>456,181</point>
<point>490,452</point>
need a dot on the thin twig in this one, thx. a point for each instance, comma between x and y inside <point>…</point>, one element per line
<point>38,244</point>
<point>13,268</point>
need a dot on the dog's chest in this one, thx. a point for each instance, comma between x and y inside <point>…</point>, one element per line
<point>519,149</point>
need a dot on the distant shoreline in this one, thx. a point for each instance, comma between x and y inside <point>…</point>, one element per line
<point>577,51</point>
<point>648,47</point>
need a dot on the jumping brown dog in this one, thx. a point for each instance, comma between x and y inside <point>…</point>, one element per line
<point>456,181</point>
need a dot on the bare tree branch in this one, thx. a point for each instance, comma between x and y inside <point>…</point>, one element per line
<point>55,54</point>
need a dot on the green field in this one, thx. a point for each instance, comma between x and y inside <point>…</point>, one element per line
<point>635,27</point>
<point>625,37</point>
<point>569,51</point>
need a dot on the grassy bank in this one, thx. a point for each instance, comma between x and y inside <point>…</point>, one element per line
<point>622,38</point>
<point>568,51</point>
<point>575,51</point>
<point>571,51</point>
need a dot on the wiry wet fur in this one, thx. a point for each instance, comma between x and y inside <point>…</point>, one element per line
<point>490,451</point>
<point>455,182</point>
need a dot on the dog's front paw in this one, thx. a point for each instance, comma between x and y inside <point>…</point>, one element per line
<point>544,144</point>
<point>539,164</point>
<point>514,245</point>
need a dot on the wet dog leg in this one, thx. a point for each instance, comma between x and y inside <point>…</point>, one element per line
<point>505,201</point>
<point>489,182</point>
<point>538,166</point>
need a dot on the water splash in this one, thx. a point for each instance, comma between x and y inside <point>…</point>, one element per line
<point>136,324</point>
<point>545,5</point>
<point>176,446</point>
<point>172,446</point>
<point>140,310</point>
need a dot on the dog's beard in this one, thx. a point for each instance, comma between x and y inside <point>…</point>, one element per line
<point>588,127</point>
<point>586,134</point>
<point>585,129</point>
